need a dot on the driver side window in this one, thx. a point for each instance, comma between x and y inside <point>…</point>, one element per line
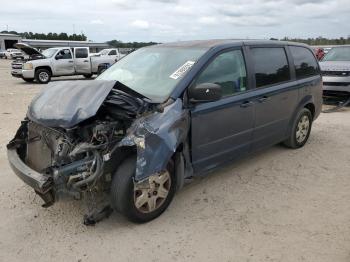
<point>227,70</point>
<point>64,54</point>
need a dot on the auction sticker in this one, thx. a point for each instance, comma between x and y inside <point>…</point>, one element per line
<point>182,69</point>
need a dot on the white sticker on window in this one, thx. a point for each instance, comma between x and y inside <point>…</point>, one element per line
<point>182,69</point>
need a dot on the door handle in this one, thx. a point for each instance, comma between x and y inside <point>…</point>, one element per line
<point>70,61</point>
<point>85,61</point>
<point>247,104</point>
<point>263,99</point>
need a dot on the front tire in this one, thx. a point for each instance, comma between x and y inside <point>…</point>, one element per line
<point>144,203</point>
<point>301,129</point>
<point>43,76</point>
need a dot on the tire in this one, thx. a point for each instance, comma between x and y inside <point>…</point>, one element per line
<point>123,195</point>
<point>43,76</point>
<point>101,69</point>
<point>28,80</point>
<point>87,76</point>
<point>299,138</point>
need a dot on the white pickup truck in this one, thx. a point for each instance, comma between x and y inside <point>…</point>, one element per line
<point>59,61</point>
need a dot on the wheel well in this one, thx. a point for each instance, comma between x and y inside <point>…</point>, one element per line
<point>311,107</point>
<point>44,67</point>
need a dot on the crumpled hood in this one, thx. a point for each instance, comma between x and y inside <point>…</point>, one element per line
<point>335,66</point>
<point>67,103</point>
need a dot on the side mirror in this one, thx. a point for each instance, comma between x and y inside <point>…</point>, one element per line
<point>206,92</point>
<point>59,56</point>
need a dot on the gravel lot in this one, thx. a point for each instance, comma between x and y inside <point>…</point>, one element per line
<point>278,205</point>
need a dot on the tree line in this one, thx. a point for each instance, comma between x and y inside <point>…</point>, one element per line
<point>49,36</point>
<point>117,43</point>
<point>120,44</point>
<point>320,40</point>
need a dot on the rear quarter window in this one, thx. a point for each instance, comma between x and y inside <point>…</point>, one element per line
<point>271,66</point>
<point>81,53</point>
<point>305,63</point>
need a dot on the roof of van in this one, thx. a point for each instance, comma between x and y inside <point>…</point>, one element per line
<point>224,42</point>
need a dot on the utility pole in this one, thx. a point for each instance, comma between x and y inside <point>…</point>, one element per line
<point>73,28</point>
<point>7,28</point>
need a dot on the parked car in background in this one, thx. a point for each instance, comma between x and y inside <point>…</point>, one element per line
<point>114,52</point>
<point>59,61</point>
<point>2,53</point>
<point>319,52</point>
<point>335,68</point>
<point>327,49</point>
<point>164,114</point>
<point>13,54</point>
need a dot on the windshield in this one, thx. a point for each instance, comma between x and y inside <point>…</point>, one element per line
<point>153,71</point>
<point>104,52</point>
<point>49,52</point>
<point>338,54</point>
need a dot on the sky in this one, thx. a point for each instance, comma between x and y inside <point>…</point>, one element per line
<point>174,20</point>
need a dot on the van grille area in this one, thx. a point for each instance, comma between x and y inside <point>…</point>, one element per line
<point>336,73</point>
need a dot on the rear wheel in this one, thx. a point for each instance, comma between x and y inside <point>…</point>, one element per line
<point>301,129</point>
<point>87,76</point>
<point>43,76</point>
<point>141,202</point>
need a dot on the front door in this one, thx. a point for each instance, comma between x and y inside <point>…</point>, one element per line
<point>82,60</point>
<point>63,64</point>
<point>222,130</point>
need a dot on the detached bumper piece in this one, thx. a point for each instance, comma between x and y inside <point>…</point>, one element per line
<point>41,184</point>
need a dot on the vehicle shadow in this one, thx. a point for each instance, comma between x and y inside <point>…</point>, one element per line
<point>56,80</point>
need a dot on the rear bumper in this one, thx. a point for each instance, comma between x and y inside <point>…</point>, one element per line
<point>39,182</point>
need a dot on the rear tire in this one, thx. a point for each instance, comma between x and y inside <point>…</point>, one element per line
<point>87,76</point>
<point>43,76</point>
<point>124,193</point>
<point>300,130</point>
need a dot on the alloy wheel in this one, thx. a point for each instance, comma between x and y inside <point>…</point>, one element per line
<point>302,129</point>
<point>150,196</point>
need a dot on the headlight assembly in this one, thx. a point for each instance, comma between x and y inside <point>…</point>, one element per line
<point>28,66</point>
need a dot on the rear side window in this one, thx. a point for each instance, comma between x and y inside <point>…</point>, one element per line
<point>271,66</point>
<point>81,53</point>
<point>304,62</point>
<point>113,52</point>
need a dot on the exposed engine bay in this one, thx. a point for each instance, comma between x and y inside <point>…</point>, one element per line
<point>76,143</point>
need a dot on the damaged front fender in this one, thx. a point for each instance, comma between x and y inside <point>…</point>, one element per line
<point>156,137</point>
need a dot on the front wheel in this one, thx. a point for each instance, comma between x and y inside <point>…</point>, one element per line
<point>43,76</point>
<point>141,202</point>
<point>301,129</point>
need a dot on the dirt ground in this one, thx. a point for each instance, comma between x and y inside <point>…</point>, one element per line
<point>278,205</point>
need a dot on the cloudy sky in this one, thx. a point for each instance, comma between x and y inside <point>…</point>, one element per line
<point>172,20</point>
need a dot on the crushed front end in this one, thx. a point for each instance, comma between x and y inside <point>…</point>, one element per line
<point>67,150</point>
<point>77,133</point>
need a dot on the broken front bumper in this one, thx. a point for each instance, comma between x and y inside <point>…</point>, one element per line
<point>40,183</point>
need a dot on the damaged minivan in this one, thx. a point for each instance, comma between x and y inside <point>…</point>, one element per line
<point>161,116</point>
